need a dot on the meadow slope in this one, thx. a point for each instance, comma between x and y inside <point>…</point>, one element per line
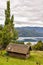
<point>35,56</point>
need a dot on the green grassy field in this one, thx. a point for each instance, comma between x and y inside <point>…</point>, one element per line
<point>35,56</point>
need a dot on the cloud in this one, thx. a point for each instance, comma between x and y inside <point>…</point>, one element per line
<point>28,12</point>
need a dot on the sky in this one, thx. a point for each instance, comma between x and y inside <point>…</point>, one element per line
<point>26,12</point>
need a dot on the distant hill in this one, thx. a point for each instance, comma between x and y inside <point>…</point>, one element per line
<point>30,31</point>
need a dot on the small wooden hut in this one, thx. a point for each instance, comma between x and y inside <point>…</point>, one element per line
<point>18,50</point>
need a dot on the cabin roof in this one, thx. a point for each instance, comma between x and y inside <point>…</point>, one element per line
<point>18,48</point>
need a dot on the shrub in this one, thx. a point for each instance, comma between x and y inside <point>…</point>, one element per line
<point>19,42</point>
<point>38,46</point>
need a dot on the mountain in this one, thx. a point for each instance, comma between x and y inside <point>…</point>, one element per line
<point>30,31</point>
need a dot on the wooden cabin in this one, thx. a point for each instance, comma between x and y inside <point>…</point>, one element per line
<point>18,50</point>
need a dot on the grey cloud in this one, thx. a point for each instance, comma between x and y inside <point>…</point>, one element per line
<point>31,9</point>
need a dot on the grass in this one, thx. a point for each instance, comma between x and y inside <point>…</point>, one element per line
<point>35,56</point>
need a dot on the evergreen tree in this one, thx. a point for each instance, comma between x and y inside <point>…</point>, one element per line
<point>7,13</point>
<point>9,32</point>
<point>9,21</point>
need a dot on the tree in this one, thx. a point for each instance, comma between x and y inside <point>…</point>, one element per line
<point>7,13</point>
<point>38,46</point>
<point>9,22</point>
<point>1,27</point>
<point>1,41</point>
<point>29,43</point>
<point>6,36</point>
<point>9,32</point>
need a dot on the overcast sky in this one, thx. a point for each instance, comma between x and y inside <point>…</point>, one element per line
<point>26,12</point>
